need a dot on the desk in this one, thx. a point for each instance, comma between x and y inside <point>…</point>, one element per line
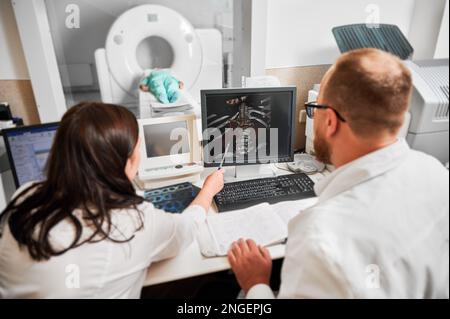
<point>191,263</point>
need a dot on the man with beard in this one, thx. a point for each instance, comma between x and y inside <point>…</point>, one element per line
<point>380,228</point>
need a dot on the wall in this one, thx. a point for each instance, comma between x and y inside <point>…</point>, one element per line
<point>303,77</point>
<point>425,26</point>
<point>442,46</point>
<point>300,45</point>
<point>12,60</point>
<point>299,32</point>
<point>15,86</point>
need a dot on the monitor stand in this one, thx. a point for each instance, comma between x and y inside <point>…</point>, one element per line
<point>247,172</point>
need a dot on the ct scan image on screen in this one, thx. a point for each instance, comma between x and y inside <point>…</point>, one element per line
<point>158,140</point>
<point>254,113</point>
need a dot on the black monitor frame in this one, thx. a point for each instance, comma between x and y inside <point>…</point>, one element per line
<point>291,89</point>
<point>27,128</point>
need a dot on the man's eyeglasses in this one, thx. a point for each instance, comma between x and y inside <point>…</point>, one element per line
<point>311,106</point>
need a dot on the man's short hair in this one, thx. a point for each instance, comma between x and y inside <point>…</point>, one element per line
<point>371,89</point>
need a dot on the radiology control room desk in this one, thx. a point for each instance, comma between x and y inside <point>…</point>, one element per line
<point>191,263</point>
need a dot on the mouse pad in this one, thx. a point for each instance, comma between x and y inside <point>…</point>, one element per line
<point>172,199</point>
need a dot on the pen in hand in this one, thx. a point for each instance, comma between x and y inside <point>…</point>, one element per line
<point>223,158</point>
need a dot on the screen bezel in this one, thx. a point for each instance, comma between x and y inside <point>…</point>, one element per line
<point>290,89</point>
<point>169,160</point>
<point>6,134</point>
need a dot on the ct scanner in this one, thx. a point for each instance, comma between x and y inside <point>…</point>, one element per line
<point>193,55</point>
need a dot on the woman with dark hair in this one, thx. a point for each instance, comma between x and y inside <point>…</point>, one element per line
<point>83,232</point>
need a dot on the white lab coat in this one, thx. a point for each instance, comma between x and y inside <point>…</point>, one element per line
<point>97,270</point>
<point>380,229</point>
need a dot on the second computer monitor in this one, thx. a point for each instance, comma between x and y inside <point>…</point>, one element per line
<point>256,124</point>
<point>28,148</point>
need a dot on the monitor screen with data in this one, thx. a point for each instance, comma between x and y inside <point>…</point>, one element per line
<point>28,148</point>
<point>248,126</point>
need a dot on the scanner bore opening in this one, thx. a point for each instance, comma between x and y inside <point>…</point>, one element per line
<point>154,52</point>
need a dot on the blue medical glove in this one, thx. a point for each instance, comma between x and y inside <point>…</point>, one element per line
<point>172,88</point>
<point>164,86</point>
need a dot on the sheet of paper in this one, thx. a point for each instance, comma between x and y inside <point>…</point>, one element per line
<point>260,223</point>
<point>288,210</point>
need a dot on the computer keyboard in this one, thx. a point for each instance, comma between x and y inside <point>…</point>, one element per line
<point>239,195</point>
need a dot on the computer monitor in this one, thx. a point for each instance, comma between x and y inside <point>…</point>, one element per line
<point>28,148</point>
<point>256,124</point>
<point>169,147</point>
<point>158,142</point>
